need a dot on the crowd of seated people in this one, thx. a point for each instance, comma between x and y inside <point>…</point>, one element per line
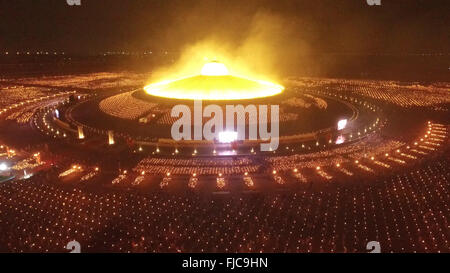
<point>333,156</point>
<point>125,106</point>
<point>387,91</point>
<point>304,102</point>
<point>359,160</point>
<point>201,162</point>
<point>17,94</point>
<point>99,81</point>
<point>23,114</point>
<point>405,212</point>
<point>202,166</point>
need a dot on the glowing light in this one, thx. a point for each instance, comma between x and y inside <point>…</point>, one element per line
<point>227,137</point>
<point>227,152</point>
<point>111,138</point>
<point>342,124</point>
<point>214,69</point>
<point>3,167</point>
<point>80,132</point>
<point>214,82</point>
<point>220,181</point>
<point>340,140</point>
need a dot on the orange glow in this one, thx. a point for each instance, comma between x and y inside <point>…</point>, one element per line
<point>214,82</point>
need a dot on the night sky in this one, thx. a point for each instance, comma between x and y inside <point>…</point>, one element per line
<point>333,26</point>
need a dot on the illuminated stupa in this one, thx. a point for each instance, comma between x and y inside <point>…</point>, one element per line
<point>214,83</point>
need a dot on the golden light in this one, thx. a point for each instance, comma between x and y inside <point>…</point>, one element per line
<point>214,82</point>
<point>214,69</point>
<point>80,132</point>
<point>111,138</point>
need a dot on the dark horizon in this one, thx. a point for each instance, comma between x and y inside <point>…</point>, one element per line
<point>311,27</point>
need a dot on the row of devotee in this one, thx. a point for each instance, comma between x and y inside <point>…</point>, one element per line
<point>200,162</point>
<point>386,91</point>
<point>406,212</point>
<point>189,170</point>
<point>126,106</point>
<point>370,155</point>
<point>13,100</point>
<point>24,114</point>
<point>18,94</point>
<point>305,101</point>
<point>90,81</point>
